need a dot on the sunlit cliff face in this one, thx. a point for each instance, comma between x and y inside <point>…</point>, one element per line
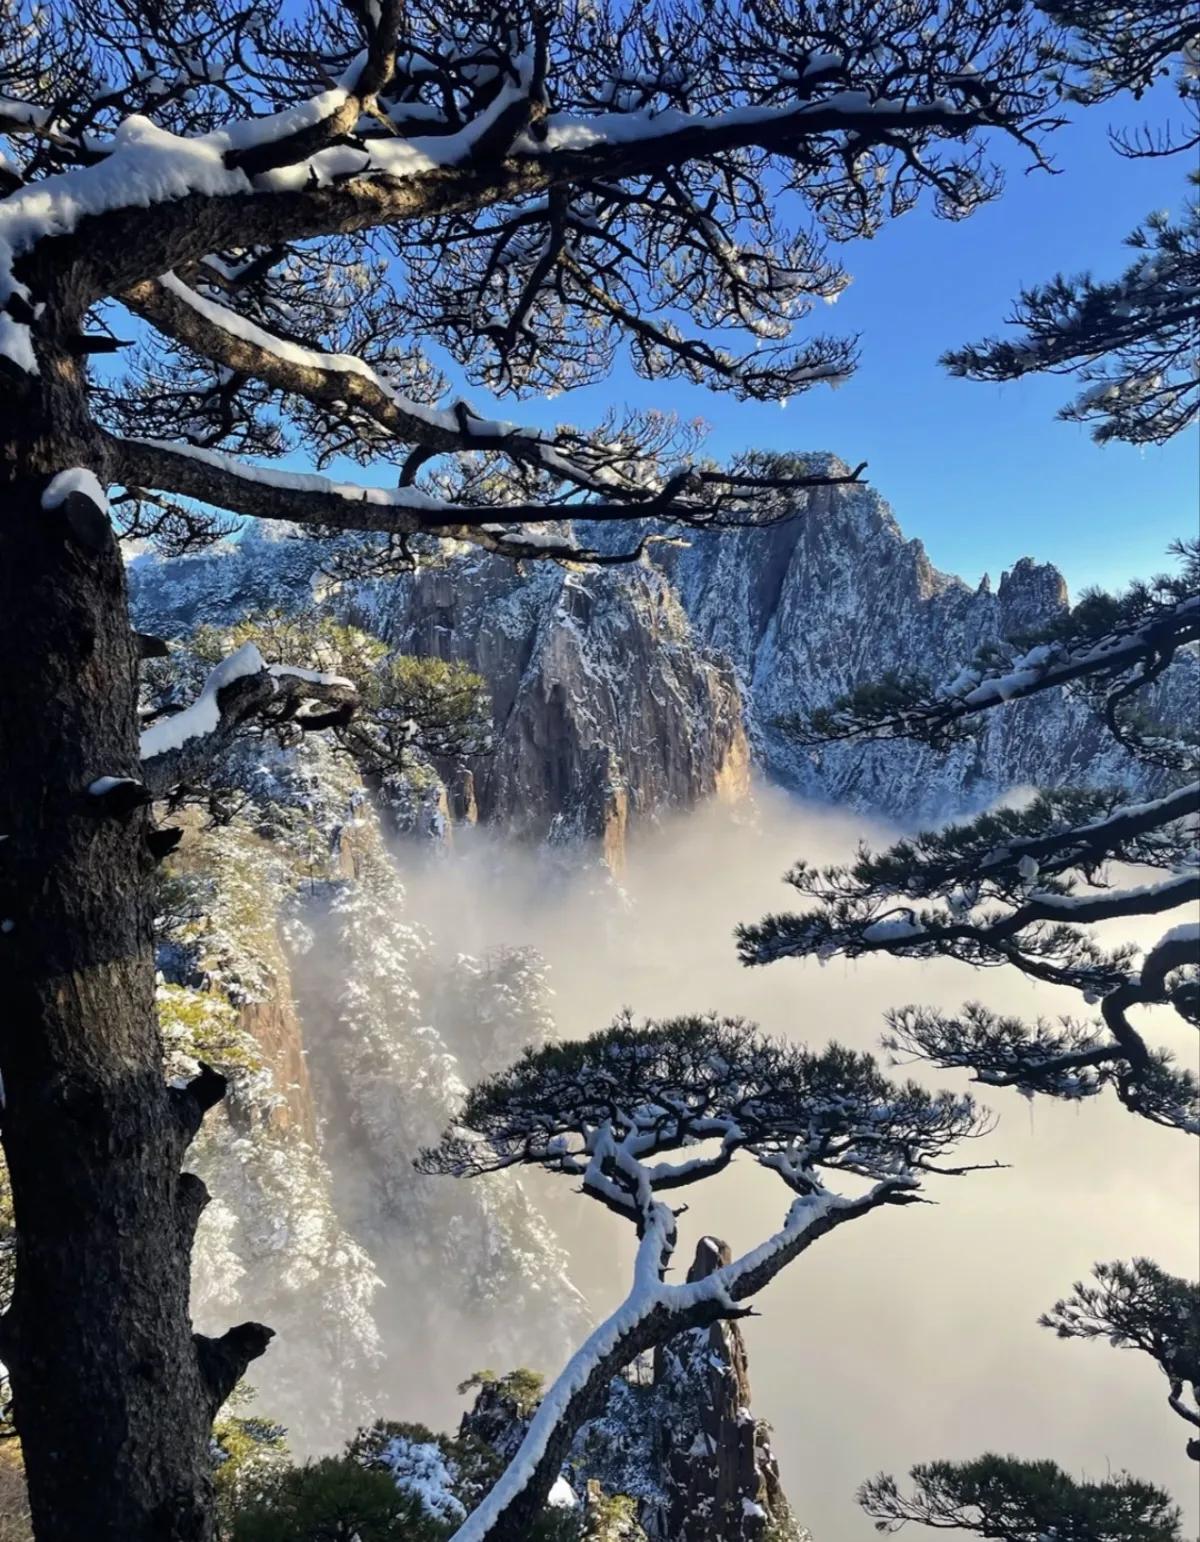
<point>913,1334</point>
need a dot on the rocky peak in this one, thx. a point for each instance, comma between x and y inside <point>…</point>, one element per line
<point>720,1475</point>
<point>503,1407</point>
<point>1030,592</point>
<point>680,1439</point>
<point>608,708</point>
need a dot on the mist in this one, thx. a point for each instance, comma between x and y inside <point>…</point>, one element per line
<point>913,1333</point>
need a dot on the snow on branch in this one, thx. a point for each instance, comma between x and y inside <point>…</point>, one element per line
<point>1140,1306</point>
<point>75,480</point>
<point>410,130</point>
<point>180,747</point>
<point>976,893</point>
<point>629,471</point>
<point>345,381</point>
<point>600,1109</point>
<point>1070,1060</point>
<point>1056,835</point>
<point>145,167</point>
<point>18,117</point>
<point>702,498</point>
<point>287,204</point>
<point>998,889</point>
<point>1120,658</point>
<point>609,1110</point>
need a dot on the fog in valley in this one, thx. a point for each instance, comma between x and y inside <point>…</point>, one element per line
<point>911,1334</point>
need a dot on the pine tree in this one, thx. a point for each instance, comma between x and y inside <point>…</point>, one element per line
<point>1139,1306</point>
<point>1014,1501</point>
<point>601,1111</point>
<point>282,213</point>
<point>1021,887</point>
<point>1131,341</point>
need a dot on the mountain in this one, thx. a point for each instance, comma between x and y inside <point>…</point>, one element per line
<point>808,609</point>
<point>349,1033</point>
<point>288,961</point>
<point>623,692</point>
<point>607,707</point>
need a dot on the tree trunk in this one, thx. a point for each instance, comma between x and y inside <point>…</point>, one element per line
<point>113,1396</point>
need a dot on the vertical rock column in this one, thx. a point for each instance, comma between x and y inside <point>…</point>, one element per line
<point>719,1474</point>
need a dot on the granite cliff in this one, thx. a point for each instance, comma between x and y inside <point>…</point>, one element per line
<point>622,692</point>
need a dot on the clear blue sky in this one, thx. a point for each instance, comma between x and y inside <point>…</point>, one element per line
<point>982,473</point>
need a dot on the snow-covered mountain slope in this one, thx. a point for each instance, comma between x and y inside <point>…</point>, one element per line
<point>621,692</point>
<point>348,1038</point>
<point>809,608</point>
<point>607,707</point>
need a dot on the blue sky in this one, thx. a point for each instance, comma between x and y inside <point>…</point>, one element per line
<point>982,473</point>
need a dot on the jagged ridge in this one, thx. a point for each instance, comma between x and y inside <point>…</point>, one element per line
<point>620,693</point>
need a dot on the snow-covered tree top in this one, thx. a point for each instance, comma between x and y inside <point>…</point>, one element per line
<point>602,1107</point>
<point>606,1110</point>
<point>294,206</point>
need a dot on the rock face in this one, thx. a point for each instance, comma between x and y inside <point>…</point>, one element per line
<point>809,608</point>
<point>620,693</point>
<point>608,709</point>
<point>720,1478</point>
<point>676,1437</point>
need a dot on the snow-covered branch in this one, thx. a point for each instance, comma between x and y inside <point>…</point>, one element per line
<point>604,1109</point>
<point>700,498</point>
<point>344,382</point>
<point>652,1313</point>
<point>879,925</point>
<point>1130,341</point>
<point>1070,1060</point>
<point>180,748</point>
<point>409,130</point>
<point>907,707</point>
<point>508,197</point>
<point>857,913</point>
<point>1019,887</point>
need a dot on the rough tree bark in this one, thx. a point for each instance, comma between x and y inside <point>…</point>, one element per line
<point>112,1392</point>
